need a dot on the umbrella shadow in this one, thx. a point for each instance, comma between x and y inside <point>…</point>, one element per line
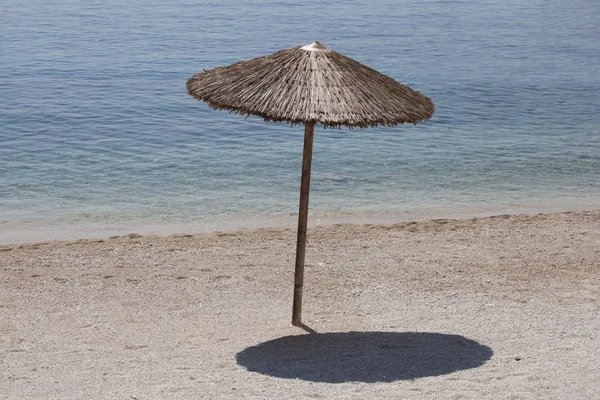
<point>364,356</point>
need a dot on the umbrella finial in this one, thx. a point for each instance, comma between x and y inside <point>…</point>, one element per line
<point>316,46</point>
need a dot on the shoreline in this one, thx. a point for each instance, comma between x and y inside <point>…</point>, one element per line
<point>19,232</point>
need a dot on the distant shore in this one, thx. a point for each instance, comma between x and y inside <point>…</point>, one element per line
<point>133,316</point>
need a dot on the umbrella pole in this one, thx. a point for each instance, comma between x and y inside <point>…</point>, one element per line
<point>309,129</point>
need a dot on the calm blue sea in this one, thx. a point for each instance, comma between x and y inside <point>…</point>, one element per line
<point>98,135</point>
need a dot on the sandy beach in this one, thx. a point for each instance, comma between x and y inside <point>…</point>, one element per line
<point>504,307</point>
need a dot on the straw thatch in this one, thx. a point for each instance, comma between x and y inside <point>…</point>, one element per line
<point>310,84</point>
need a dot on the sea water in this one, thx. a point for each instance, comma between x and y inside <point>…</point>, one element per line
<point>98,135</point>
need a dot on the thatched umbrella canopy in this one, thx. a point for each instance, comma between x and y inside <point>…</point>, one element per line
<point>309,85</point>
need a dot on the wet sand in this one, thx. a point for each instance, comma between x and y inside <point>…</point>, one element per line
<point>504,307</point>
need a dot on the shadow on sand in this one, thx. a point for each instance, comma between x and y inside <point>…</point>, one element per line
<point>364,356</point>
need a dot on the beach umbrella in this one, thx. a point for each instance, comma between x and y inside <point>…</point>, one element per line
<point>309,85</point>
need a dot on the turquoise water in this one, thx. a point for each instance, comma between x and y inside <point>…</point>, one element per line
<point>98,134</point>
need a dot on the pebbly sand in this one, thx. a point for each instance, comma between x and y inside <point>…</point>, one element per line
<point>504,307</point>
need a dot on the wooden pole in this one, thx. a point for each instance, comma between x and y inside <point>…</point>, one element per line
<point>309,130</point>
